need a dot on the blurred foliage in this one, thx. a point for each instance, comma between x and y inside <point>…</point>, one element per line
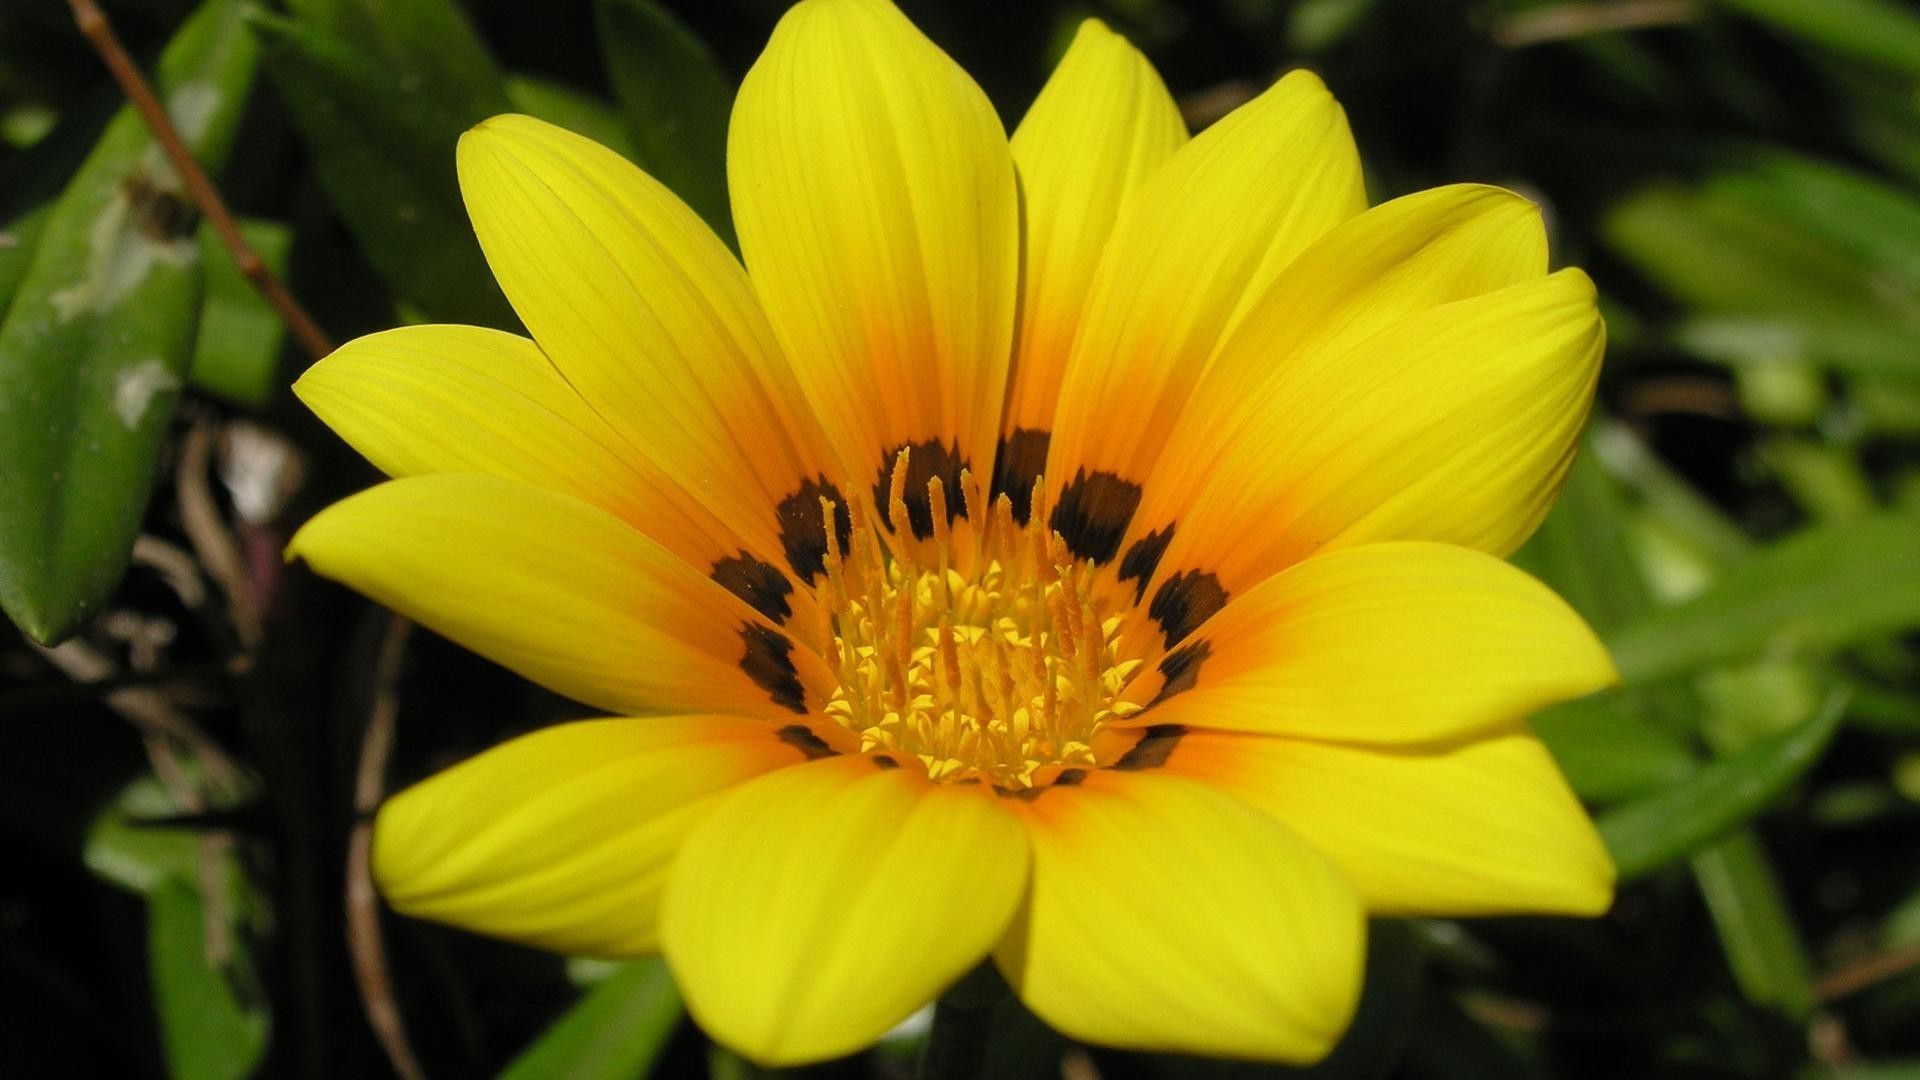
<point>1742,177</point>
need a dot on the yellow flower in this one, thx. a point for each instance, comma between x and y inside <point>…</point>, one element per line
<point>1082,551</point>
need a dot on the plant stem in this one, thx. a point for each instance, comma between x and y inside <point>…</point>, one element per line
<point>99,33</point>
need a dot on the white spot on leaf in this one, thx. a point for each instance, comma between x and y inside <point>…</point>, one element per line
<point>135,387</point>
<point>191,107</point>
<point>119,256</point>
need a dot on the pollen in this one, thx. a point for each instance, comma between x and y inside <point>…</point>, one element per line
<point>983,651</point>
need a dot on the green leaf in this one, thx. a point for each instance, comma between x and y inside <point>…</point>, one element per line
<point>213,1021</point>
<point>1757,932</point>
<point>581,113</point>
<point>236,354</point>
<point>1770,288</point>
<point>676,101</point>
<point>1317,25</point>
<point>96,342</point>
<point>30,183</point>
<point>1581,549</point>
<point>1879,31</point>
<point>1826,587</point>
<point>1609,750</point>
<point>436,66</point>
<point>1872,220</point>
<point>613,1033</point>
<point>382,136</point>
<point>136,856</point>
<point>1651,832</point>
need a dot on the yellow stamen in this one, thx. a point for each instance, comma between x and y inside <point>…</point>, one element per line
<point>997,664</point>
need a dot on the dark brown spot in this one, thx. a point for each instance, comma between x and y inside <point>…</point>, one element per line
<point>885,762</point>
<point>763,587</point>
<point>925,460</point>
<point>802,533</point>
<point>802,738</point>
<point>1143,558</point>
<point>1180,670</point>
<point>1153,749</point>
<point>1071,777</point>
<point>1184,601</point>
<point>159,214</point>
<point>769,663</point>
<point>1093,513</point>
<point>1021,458</point>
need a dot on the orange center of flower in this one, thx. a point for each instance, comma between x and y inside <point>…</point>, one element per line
<point>981,651</point>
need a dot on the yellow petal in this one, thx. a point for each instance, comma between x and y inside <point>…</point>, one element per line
<point>1399,643</point>
<point>461,399</point>
<point>1164,915</point>
<point>1101,125</point>
<point>1219,220</point>
<point>816,907</point>
<point>1455,424</point>
<point>1485,827</point>
<point>647,315</point>
<point>1369,272</point>
<point>875,200</point>
<point>562,593</point>
<point>562,838</point>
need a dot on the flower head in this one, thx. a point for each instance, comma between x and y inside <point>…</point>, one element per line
<point>1081,550</point>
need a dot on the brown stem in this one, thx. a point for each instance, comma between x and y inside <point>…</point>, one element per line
<point>363,906</point>
<point>149,711</point>
<point>98,31</point>
<point>1874,969</point>
<point>211,539</point>
<point>1578,19</point>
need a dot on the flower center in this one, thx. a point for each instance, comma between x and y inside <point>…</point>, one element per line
<point>982,652</point>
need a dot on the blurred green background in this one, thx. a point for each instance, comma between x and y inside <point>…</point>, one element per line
<point>182,718</point>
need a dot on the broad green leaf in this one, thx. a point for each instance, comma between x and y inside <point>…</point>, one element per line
<point>676,101</point>
<point>1877,222</point>
<point>613,1033</point>
<point>1673,823</point>
<point>1618,744</point>
<point>1608,749</point>
<point>236,354</point>
<point>1581,548</point>
<point>213,1020</point>
<point>577,112</point>
<point>1756,928</point>
<point>31,182</point>
<point>1826,479</point>
<point>1883,32</point>
<point>1880,708</point>
<point>382,137</point>
<point>1821,589</point>
<point>96,342</point>
<point>437,67</point>
<point>1769,286</point>
<point>1887,406</point>
<point>135,856</point>
<point>1317,25</point>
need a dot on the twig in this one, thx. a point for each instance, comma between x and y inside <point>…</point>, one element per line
<point>147,710</point>
<point>161,726</point>
<point>1874,969</point>
<point>1572,20</point>
<point>99,33</point>
<point>212,542</point>
<point>363,907</point>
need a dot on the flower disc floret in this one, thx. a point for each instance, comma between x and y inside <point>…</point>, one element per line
<point>988,662</point>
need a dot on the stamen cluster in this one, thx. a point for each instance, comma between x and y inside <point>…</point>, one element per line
<point>980,651</point>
